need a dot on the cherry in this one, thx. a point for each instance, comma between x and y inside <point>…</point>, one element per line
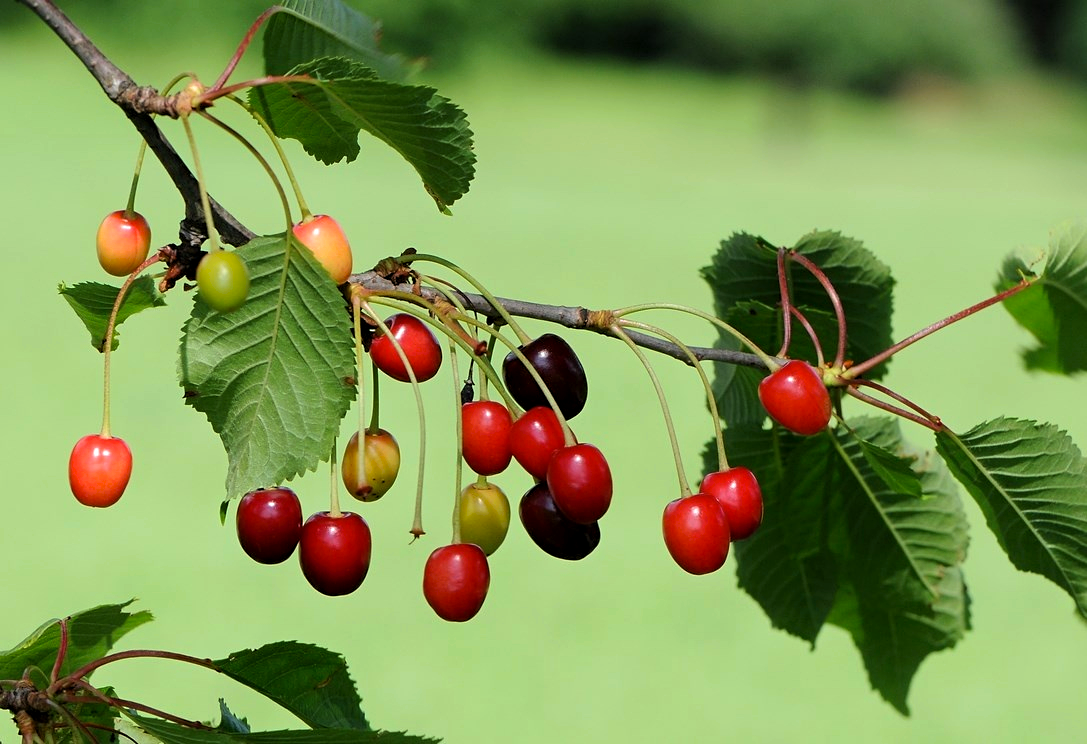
<point>455,581</point>
<point>559,368</point>
<point>580,482</point>
<point>552,531</point>
<point>696,533</point>
<point>796,398</point>
<point>738,493</point>
<point>486,431</point>
<point>326,239</point>
<point>223,280</point>
<point>334,552</point>
<point>123,241</point>
<point>534,438</point>
<point>484,516</point>
<point>98,469</point>
<point>419,345</point>
<point>381,460</point>
<point>269,521</point>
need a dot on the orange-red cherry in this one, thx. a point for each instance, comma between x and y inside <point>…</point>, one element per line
<point>98,469</point>
<point>328,243</point>
<point>123,242</point>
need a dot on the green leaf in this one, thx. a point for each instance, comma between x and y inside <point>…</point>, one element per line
<point>786,565</point>
<point>231,723</point>
<point>172,733</point>
<point>309,681</point>
<point>1030,481</point>
<point>743,278</point>
<point>275,376</point>
<point>91,634</point>
<point>308,29</point>
<point>346,97</point>
<point>93,303</point>
<point>1054,310</point>
<point>901,537</point>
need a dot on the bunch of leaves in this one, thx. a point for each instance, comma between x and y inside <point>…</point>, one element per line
<point>310,682</point>
<point>863,531</point>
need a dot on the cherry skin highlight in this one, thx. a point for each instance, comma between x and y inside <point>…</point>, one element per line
<point>123,242</point>
<point>334,552</point>
<point>696,533</point>
<point>739,494</point>
<point>796,398</point>
<point>418,343</point>
<point>98,470</point>
<point>328,243</point>
<point>455,581</point>
<point>269,521</point>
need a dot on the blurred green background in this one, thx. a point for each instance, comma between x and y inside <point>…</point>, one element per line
<point>944,135</point>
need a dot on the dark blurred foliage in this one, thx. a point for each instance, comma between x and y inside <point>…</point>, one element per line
<point>856,44</point>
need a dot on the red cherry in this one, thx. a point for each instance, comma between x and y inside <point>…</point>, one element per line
<point>335,552</point>
<point>796,398</point>
<point>269,522</point>
<point>552,532</point>
<point>580,482</point>
<point>326,239</point>
<point>123,242</point>
<point>696,533</point>
<point>455,581</point>
<point>98,469</point>
<point>738,493</point>
<point>419,345</point>
<point>534,438</point>
<point>485,426</point>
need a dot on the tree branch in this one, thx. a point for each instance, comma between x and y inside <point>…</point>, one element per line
<point>139,103</point>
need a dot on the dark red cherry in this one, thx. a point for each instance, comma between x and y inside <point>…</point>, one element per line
<point>559,368</point>
<point>551,531</point>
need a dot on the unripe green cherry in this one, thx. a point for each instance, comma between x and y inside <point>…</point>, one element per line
<point>223,280</point>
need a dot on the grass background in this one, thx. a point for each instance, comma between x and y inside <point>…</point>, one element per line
<point>598,185</point>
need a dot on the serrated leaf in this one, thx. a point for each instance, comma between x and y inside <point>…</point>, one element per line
<point>345,97</point>
<point>93,303</point>
<point>231,723</point>
<point>743,278</point>
<point>902,541</point>
<point>172,733</point>
<point>786,565</point>
<point>274,376</point>
<point>1054,310</point>
<point>1030,481</point>
<point>91,634</point>
<point>309,681</point>
<point>308,29</point>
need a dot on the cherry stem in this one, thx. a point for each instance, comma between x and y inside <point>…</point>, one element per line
<point>107,342</point>
<point>205,203</point>
<point>459,469</point>
<point>209,96</point>
<point>362,481</point>
<point>711,399</point>
<point>375,408</point>
<point>766,359</point>
<point>302,206</point>
<point>819,358</point>
<point>895,396</point>
<point>62,651</point>
<point>244,45</point>
<point>684,487</point>
<point>858,369</point>
<point>786,305</point>
<point>835,301</point>
<point>417,521</point>
<point>89,667</point>
<point>334,490</point>
<point>260,158</point>
<point>133,705</point>
<point>498,306</point>
<point>75,723</point>
<point>130,208</point>
<point>882,405</point>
